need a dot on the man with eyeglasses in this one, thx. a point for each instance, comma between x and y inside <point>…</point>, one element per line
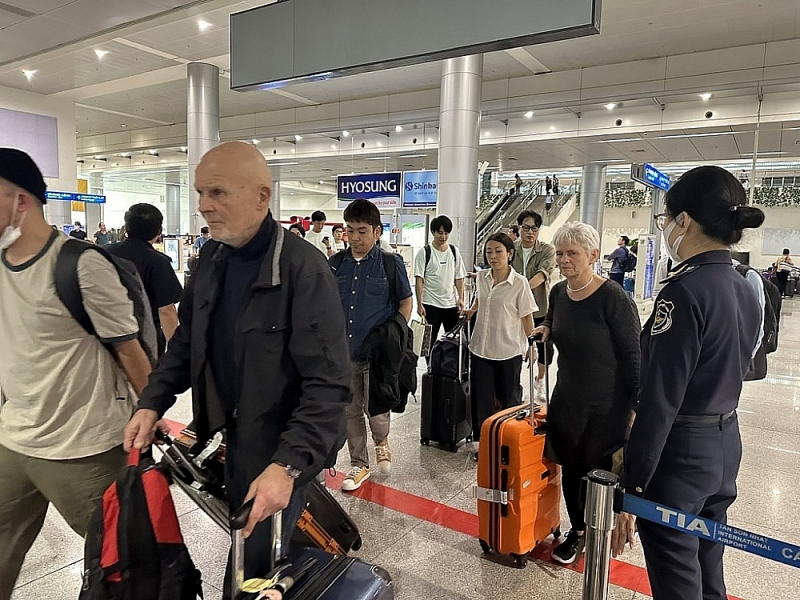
<point>536,260</point>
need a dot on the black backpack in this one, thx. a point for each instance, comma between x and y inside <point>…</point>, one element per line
<point>628,263</point>
<point>134,549</point>
<point>69,292</point>
<point>772,310</point>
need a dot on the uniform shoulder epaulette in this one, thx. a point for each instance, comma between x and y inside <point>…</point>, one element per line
<point>679,272</point>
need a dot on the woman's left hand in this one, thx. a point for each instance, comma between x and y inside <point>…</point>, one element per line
<point>623,534</point>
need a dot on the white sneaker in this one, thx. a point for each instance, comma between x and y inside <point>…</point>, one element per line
<point>538,388</point>
<point>355,477</point>
<point>383,458</point>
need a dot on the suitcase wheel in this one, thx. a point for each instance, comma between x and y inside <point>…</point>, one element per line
<point>468,439</point>
<point>356,545</point>
<point>425,442</point>
<point>484,547</point>
<point>557,533</point>
<point>452,447</point>
<point>520,561</point>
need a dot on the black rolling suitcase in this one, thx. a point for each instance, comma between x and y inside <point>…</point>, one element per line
<point>306,573</point>
<point>200,474</point>
<point>446,411</point>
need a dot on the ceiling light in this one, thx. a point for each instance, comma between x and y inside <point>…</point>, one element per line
<point>399,128</point>
<point>297,138</point>
<point>552,127</point>
<point>529,114</point>
<point>153,152</point>
<point>184,148</point>
<point>611,105</point>
<point>29,73</point>
<point>123,124</point>
<point>412,155</point>
<point>100,53</point>
<point>345,134</point>
<point>256,142</point>
<point>203,25</point>
<point>333,146</point>
<point>281,164</point>
<point>706,96</point>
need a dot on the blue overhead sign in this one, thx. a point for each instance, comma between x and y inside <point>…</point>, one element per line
<point>73,197</point>
<point>382,189</point>
<point>420,189</point>
<point>655,177</point>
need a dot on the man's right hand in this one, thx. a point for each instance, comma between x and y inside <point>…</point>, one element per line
<point>140,429</point>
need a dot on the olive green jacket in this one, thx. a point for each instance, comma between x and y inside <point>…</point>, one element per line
<point>543,260</point>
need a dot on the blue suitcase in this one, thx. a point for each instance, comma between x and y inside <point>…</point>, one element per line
<point>307,573</point>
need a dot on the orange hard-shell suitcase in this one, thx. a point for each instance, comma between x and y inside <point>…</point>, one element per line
<point>519,490</point>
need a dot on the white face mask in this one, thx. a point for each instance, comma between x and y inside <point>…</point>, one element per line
<point>673,249</point>
<point>12,233</point>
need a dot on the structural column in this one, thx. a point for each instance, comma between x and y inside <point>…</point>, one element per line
<point>275,203</point>
<point>172,194</point>
<point>593,192</point>
<point>459,136</point>
<point>202,126</point>
<point>58,212</point>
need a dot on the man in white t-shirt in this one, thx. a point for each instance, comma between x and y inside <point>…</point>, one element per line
<point>66,397</point>
<point>439,279</point>
<point>317,237</point>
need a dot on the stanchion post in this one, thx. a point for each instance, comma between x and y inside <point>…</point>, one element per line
<point>599,516</point>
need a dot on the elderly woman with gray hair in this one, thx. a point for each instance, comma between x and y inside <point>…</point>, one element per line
<point>595,328</point>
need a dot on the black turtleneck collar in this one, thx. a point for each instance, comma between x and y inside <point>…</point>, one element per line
<point>257,247</point>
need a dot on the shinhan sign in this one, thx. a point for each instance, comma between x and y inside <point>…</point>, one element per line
<point>649,175</point>
<point>382,189</point>
<point>73,197</point>
<point>420,189</point>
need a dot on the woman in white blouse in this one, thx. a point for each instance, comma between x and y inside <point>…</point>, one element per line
<point>504,304</point>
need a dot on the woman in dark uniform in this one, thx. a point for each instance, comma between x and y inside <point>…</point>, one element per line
<point>684,449</point>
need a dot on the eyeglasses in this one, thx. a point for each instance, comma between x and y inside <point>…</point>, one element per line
<point>661,221</point>
<point>529,228</point>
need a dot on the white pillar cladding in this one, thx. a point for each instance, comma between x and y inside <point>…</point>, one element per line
<point>459,136</point>
<point>58,212</point>
<point>172,194</point>
<point>275,203</point>
<point>202,126</point>
<point>593,195</point>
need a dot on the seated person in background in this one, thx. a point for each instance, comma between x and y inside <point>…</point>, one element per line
<point>595,327</point>
<point>200,241</point>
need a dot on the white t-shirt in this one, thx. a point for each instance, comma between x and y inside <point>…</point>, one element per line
<point>315,239</point>
<point>384,244</point>
<point>66,396</point>
<point>499,334</point>
<point>438,287</point>
<point>526,256</point>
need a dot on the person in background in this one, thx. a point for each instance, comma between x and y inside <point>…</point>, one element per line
<point>317,237</point>
<point>617,273</point>
<point>338,243</point>
<point>66,394</point>
<point>298,230</point>
<point>200,241</point>
<point>368,301</point>
<point>439,279</point>
<point>783,266</point>
<point>122,235</point>
<point>144,223</point>
<point>535,260</point>
<point>685,449</point>
<point>555,185</point>
<point>102,237</point>
<point>114,236</point>
<point>504,306</point>
<point>382,242</point>
<point>595,327</point>
<point>548,186</point>
<point>513,233</point>
<point>517,183</point>
<point>278,382</point>
<point>78,232</point>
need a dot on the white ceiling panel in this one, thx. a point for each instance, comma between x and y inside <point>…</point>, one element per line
<point>38,6</point>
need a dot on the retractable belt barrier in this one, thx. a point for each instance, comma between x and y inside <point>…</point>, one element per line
<point>599,516</point>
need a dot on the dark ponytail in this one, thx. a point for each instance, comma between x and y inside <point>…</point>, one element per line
<point>715,199</point>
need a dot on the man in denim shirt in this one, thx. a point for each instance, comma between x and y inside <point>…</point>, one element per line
<point>368,302</point>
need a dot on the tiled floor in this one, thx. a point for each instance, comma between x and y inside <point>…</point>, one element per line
<point>431,561</point>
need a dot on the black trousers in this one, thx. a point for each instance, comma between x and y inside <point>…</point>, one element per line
<point>618,277</point>
<point>258,545</point>
<point>782,277</point>
<point>541,346</point>
<point>437,317</point>
<point>696,474</point>
<point>492,380</point>
<point>572,487</point>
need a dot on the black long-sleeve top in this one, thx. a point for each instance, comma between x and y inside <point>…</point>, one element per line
<point>598,373</point>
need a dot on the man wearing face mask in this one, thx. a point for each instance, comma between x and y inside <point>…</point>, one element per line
<point>66,398</point>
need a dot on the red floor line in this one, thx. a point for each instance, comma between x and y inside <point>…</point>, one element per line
<point>622,574</point>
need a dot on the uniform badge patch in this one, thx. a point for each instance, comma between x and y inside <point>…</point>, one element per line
<point>662,319</point>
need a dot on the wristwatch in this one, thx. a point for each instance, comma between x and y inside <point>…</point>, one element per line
<point>292,472</point>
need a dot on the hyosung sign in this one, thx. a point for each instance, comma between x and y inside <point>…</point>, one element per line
<point>382,189</point>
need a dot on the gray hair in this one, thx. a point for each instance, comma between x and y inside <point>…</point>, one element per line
<point>577,233</point>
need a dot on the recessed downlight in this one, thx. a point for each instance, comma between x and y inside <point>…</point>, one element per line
<point>203,25</point>
<point>706,96</point>
<point>29,73</point>
<point>529,114</point>
<point>100,53</point>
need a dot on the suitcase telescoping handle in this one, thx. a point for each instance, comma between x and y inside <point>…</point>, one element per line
<point>531,341</point>
<point>238,521</point>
